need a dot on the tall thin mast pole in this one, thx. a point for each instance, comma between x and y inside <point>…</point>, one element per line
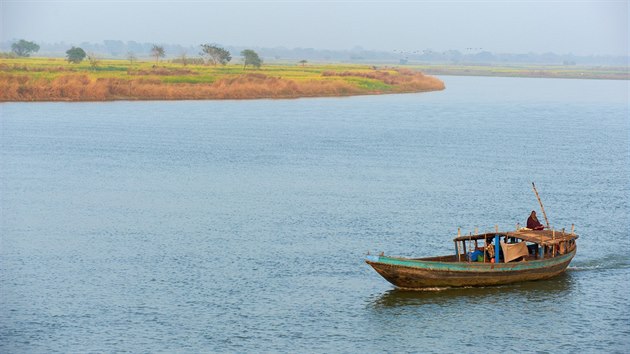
<point>541,205</point>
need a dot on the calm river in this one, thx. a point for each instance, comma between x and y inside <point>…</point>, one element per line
<point>241,226</point>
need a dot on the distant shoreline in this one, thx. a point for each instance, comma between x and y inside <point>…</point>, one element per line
<point>50,79</point>
<point>529,71</point>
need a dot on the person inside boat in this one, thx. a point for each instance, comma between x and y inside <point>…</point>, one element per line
<point>533,223</point>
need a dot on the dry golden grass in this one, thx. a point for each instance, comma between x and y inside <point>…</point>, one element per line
<point>58,83</point>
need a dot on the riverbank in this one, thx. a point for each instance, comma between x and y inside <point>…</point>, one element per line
<point>52,79</point>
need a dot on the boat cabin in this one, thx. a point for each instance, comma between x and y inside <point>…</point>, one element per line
<point>514,246</point>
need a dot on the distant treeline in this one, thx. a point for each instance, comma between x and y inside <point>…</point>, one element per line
<point>120,49</point>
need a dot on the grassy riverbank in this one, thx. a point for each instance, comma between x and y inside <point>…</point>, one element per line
<point>53,79</point>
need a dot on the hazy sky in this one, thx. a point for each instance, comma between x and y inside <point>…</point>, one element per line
<point>578,27</point>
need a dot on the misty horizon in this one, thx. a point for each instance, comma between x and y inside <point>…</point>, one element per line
<point>119,49</point>
<point>6,43</point>
<point>565,27</point>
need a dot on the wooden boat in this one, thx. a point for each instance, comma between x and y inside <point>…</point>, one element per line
<point>523,255</point>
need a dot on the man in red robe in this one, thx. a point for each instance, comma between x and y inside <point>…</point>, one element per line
<point>533,223</point>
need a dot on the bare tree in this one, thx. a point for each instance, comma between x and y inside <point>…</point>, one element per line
<point>184,58</point>
<point>131,57</point>
<point>93,59</point>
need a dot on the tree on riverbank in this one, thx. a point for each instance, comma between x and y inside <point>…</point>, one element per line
<point>131,56</point>
<point>24,48</point>
<point>158,52</point>
<point>93,59</point>
<point>215,54</point>
<point>75,55</point>
<point>250,57</point>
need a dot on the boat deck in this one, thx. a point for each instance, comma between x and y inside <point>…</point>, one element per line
<point>542,237</point>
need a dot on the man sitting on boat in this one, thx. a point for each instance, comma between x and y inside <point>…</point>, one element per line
<point>533,223</point>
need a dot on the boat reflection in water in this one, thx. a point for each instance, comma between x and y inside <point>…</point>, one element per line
<point>558,287</point>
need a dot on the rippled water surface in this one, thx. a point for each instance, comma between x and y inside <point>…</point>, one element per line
<point>241,226</point>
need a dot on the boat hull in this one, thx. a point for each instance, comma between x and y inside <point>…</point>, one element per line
<point>418,273</point>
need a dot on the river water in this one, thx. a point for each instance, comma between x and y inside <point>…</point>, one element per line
<point>241,226</point>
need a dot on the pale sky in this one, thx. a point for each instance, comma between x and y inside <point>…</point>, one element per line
<point>578,27</point>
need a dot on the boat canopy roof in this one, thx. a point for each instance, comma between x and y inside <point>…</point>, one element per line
<point>542,237</point>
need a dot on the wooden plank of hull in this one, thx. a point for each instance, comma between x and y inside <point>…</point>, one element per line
<point>417,278</point>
